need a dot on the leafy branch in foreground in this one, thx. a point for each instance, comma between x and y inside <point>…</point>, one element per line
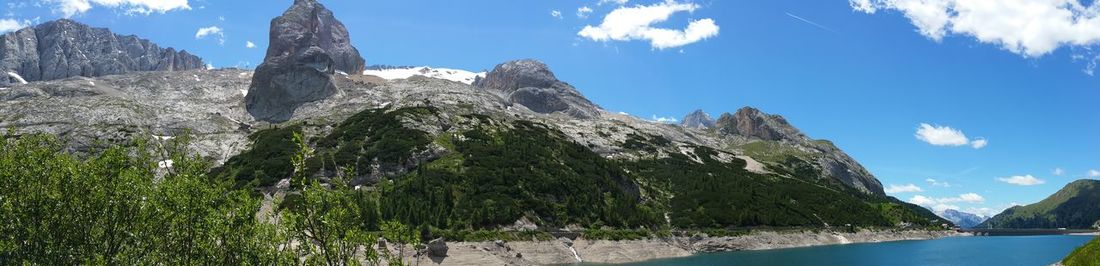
<point>152,203</point>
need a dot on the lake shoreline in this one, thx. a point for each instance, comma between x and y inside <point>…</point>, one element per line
<point>566,251</point>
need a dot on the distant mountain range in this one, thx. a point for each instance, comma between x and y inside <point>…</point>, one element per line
<point>1076,206</point>
<point>66,48</point>
<point>962,219</point>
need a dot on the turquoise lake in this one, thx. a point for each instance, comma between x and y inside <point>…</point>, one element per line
<point>970,251</point>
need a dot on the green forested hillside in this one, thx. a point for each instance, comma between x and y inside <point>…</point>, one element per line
<point>1074,206</point>
<point>495,172</point>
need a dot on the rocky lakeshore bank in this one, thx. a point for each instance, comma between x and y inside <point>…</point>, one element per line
<point>566,251</point>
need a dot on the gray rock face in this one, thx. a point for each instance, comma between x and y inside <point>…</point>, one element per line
<point>698,119</point>
<point>831,162</point>
<point>531,83</point>
<point>91,112</point>
<point>65,48</point>
<point>752,123</point>
<point>308,45</point>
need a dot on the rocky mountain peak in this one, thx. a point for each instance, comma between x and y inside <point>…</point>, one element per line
<point>752,123</point>
<point>531,83</point>
<point>307,46</point>
<point>698,119</point>
<point>66,48</point>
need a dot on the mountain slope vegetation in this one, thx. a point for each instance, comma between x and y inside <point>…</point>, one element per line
<point>1074,206</point>
<point>480,172</point>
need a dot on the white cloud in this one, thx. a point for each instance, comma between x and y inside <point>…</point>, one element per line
<point>556,14</point>
<point>907,188</point>
<point>922,200</point>
<point>211,31</point>
<point>979,143</point>
<point>941,204</point>
<point>666,119</point>
<point>947,136</point>
<point>68,8</point>
<point>1031,28</point>
<point>249,44</point>
<point>1094,173</point>
<point>982,211</point>
<point>1058,171</point>
<point>937,183</point>
<point>617,2</point>
<point>1022,180</point>
<point>968,197</point>
<point>583,11</point>
<point>939,208</point>
<point>209,66</point>
<point>8,24</point>
<point>941,136</point>
<point>637,23</point>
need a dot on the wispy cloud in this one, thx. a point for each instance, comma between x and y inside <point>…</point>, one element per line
<point>941,204</point>
<point>937,183</point>
<point>807,21</point>
<point>663,119</point>
<point>211,31</point>
<point>556,14</point>
<point>69,8</point>
<point>8,24</point>
<point>907,188</point>
<point>1058,171</point>
<point>249,44</point>
<point>1093,173</point>
<point>1022,180</point>
<point>582,12</point>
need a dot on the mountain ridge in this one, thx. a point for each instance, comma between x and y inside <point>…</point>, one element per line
<point>961,219</point>
<point>65,48</point>
<point>1074,206</point>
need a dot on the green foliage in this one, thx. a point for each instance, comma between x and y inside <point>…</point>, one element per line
<point>616,234</point>
<point>1074,206</point>
<point>266,162</point>
<point>501,174</point>
<point>714,194</point>
<point>1087,255</point>
<point>326,217</point>
<point>370,136</point>
<point>111,208</point>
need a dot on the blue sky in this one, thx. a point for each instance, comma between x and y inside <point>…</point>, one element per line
<point>863,73</point>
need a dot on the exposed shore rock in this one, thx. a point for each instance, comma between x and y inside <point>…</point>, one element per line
<point>308,45</point>
<point>630,251</point>
<point>65,48</point>
<point>530,83</point>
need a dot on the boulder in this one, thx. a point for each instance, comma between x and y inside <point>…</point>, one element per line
<point>307,46</point>
<point>437,248</point>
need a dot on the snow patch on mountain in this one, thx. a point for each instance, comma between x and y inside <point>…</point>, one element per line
<point>457,75</point>
<point>15,76</point>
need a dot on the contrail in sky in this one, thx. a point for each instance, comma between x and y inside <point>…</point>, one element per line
<point>810,22</point>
